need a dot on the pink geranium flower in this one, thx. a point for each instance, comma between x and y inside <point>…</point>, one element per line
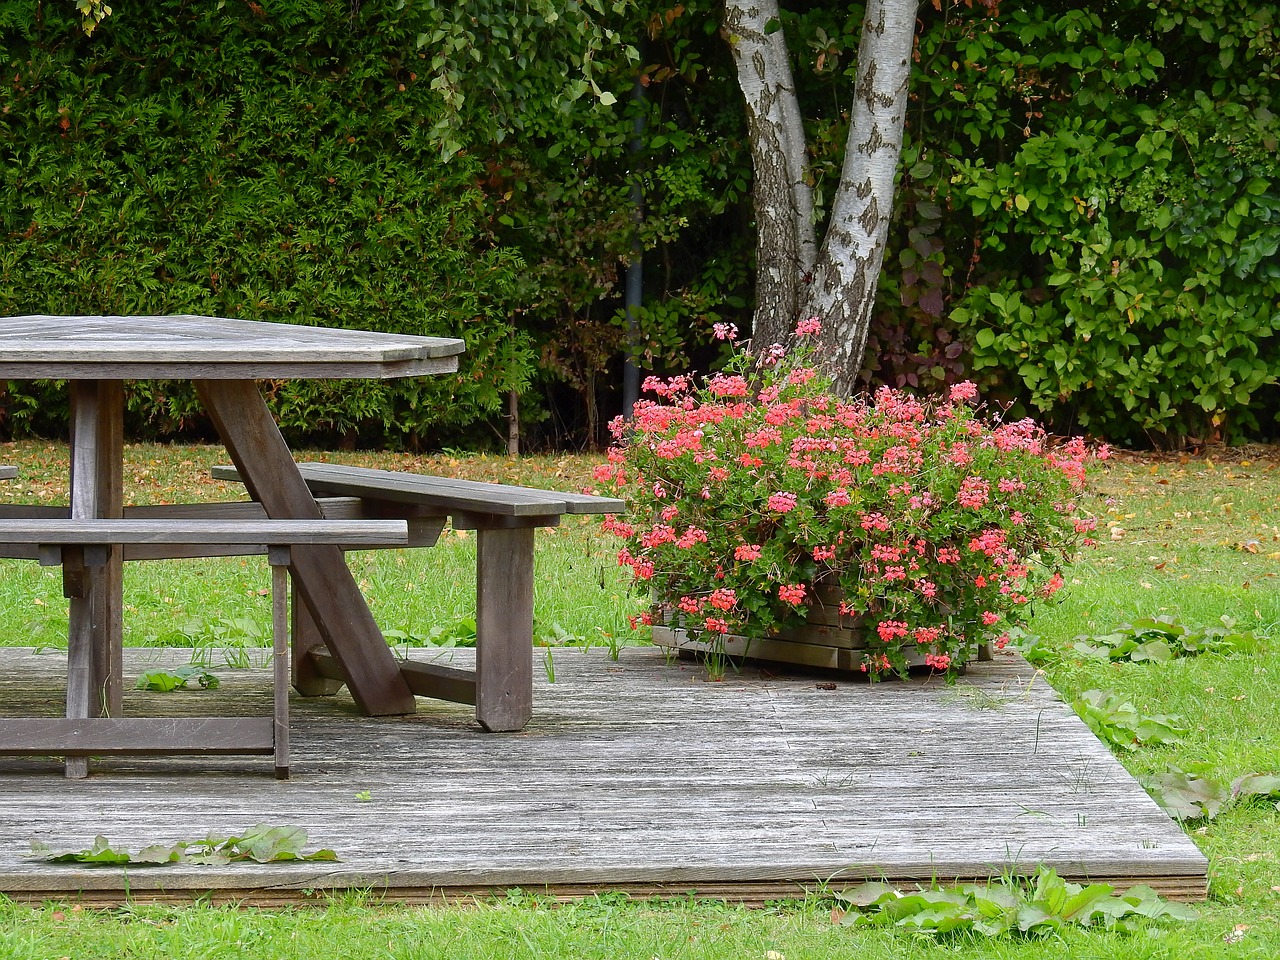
<point>782,502</point>
<point>792,593</point>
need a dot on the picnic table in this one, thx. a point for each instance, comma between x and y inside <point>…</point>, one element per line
<point>222,358</point>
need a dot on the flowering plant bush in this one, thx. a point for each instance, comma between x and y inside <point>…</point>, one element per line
<point>759,487</point>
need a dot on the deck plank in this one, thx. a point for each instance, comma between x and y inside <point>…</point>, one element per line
<point>637,774</point>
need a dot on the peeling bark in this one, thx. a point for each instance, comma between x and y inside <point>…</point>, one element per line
<point>852,252</point>
<point>786,242</point>
<point>837,280</point>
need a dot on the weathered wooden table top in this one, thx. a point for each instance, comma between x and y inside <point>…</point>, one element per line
<point>210,348</point>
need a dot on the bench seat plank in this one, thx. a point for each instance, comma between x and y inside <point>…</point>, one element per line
<point>68,532</point>
<point>446,493</point>
<point>423,531</point>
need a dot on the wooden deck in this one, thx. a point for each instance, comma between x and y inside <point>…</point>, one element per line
<point>635,775</point>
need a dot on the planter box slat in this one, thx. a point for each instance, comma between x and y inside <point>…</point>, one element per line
<point>815,645</point>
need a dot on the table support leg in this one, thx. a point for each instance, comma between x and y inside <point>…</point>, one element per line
<point>108,663</point>
<point>95,634</point>
<point>504,628</point>
<point>305,637</point>
<point>279,558</point>
<point>319,572</point>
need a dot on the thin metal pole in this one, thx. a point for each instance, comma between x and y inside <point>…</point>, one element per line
<point>635,269</point>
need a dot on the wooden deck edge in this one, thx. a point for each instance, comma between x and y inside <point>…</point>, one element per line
<point>1185,888</point>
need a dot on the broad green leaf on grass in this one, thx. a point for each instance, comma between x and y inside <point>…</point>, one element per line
<point>945,920</point>
<point>1156,651</point>
<point>1255,785</point>
<point>867,895</point>
<point>1145,902</point>
<point>1187,797</point>
<point>1118,722</point>
<point>461,633</point>
<point>924,901</point>
<point>1093,651</point>
<point>1039,907</point>
<point>1081,905</point>
<point>990,900</point>
<point>1034,918</point>
<point>1157,639</point>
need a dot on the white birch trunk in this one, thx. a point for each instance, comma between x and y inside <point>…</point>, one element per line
<point>786,242</point>
<point>848,266</point>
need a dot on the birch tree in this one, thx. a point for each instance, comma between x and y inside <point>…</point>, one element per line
<point>799,274</point>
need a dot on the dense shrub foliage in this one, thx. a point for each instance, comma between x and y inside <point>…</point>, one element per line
<point>1124,275</point>
<point>219,159</point>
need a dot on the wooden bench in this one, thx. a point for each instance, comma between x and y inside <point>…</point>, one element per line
<point>505,517</point>
<point>81,547</point>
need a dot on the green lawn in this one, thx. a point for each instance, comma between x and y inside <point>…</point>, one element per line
<point>1197,540</point>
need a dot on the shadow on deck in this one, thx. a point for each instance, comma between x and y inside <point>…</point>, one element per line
<point>636,775</point>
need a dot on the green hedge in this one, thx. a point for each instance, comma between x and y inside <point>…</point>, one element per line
<point>1128,277</point>
<point>265,162</point>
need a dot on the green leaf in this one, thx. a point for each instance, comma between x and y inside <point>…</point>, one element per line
<point>160,680</point>
<point>1255,785</point>
<point>1154,650</point>
<point>262,843</point>
<point>1035,919</point>
<point>1187,797</point>
<point>867,895</point>
<point>100,854</point>
<point>1049,905</point>
<point>985,337</point>
<point>159,853</point>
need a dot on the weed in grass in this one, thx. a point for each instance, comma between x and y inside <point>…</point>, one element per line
<point>1149,639</point>
<point>460,633</point>
<point>1117,721</point>
<point>1188,797</point>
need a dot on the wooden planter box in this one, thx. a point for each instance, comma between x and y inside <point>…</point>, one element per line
<point>823,642</point>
